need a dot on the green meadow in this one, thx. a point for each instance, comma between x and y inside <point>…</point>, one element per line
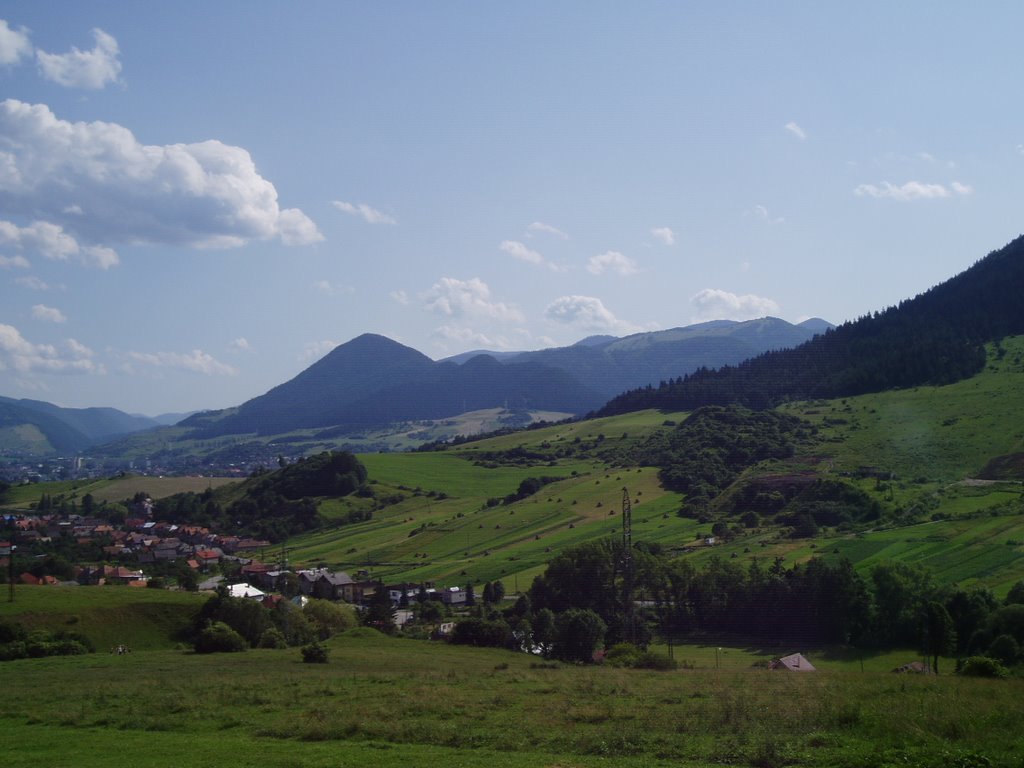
<point>391,702</point>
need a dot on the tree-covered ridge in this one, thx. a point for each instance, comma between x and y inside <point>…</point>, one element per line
<point>937,337</point>
<point>706,453</point>
<point>273,505</point>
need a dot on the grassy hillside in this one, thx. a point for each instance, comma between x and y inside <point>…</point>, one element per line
<point>931,438</point>
<point>145,619</point>
<point>110,489</point>
<point>388,702</point>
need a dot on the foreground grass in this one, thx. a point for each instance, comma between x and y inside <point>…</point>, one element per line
<point>391,702</point>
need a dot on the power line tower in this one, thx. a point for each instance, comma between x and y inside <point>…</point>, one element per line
<point>627,568</point>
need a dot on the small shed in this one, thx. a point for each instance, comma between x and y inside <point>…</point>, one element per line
<point>795,662</point>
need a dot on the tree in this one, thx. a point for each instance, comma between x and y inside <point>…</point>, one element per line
<point>578,632</point>
<point>939,633</point>
<point>218,637</point>
<point>470,597</point>
<point>380,613</point>
<point>544,630</point>
<point>327,618</point>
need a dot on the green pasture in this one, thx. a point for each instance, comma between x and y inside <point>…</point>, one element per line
<point>145,619</point>
<point>111,489</point>
<point>391,702</point>
<point>938,434</point>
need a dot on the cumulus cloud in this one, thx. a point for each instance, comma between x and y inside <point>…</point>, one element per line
<point>47,314</point>
<point>33,282</point>
<point>51,241</point>
<point>587,313</point>
<point>520,251</point>
<point>83,69</point>
<point>539,227</point>
<point>20,355</point>
<point>664,234</point>
<point>97,181</point>
<point>461,298</point>
<point>196,361</point>
<point>796,130</point>
<point>715,304</point>
<point>241,344</point>
<point>7,262</point>
<point>365,212</point>
<point>400,296</point>
<point>468,337</point>
<point>912,190</point>
<point>14,44</point>
<point>611,261</point>
<point>314,350</point>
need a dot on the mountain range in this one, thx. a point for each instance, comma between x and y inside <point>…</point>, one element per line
<point>372,381</point>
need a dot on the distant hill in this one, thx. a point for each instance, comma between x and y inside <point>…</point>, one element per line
<point>372,381</point>
<point>937,337</point>
<point>611,365</point>
<point>37,427</point>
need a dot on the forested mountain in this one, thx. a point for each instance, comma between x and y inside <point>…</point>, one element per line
<point>373,381</point>
<point>611,365</point>
<point>934,338</point>
<point>34,426</point>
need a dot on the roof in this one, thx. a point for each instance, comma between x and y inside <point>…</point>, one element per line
<point>245,590</point>
<point>795,662</point>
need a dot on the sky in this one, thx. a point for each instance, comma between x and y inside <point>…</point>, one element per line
<point>198,200</point>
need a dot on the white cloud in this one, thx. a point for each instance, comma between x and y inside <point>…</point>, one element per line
<point>14,44</point>
<point>83,69</point>
<point>314,350</point>
<point>664,234</point>
<point>912,190</point>
<point>6,262</point>
<point>19,354</point>
<point>762,213</point>
<point>48,314</point>
<point>241,344</point>
<point>520,251</point>
<point>400,296</point>
<point>53,242</point>
<point>365,212</point>
<point>714,304</point>
<point>196,361</point>
<point>796,130</point>
<point>100,184</point>
<point>611,261</point>
<point>540,227</point>
<point>328,288</point>
<point>469,338</point>
<point>587,313</point>
<point>461,298</point>
<point>33,282</point>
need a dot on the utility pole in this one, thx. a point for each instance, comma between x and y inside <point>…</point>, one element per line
<point>627,567</point>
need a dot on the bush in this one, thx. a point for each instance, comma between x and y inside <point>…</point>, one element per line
<point>652,660</point>
<point>273,638</point>
<point>1005,649</point>
<point>983,666</point>
<point>218,637</point>
<point>314,653</point>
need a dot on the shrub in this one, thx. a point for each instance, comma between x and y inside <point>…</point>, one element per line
<point>983,666</point>
<point>652,660</point>
<point>273,638</point>
<point>314,653</point>
<point>218,637</point>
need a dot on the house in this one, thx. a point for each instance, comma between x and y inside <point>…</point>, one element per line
<point>331,586</point>
<point>453,596</point>
<point>795,662</point>
<point>245,590</point>
<point>358,591</point>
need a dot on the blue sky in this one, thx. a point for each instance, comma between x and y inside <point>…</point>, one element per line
<point>197,200</point>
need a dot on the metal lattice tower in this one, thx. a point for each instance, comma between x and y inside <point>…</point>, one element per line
<point>627,567</point>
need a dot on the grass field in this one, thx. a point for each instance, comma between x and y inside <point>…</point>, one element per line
<point>145,619</point>
<point>389,702</point>
<point>110,489</point>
